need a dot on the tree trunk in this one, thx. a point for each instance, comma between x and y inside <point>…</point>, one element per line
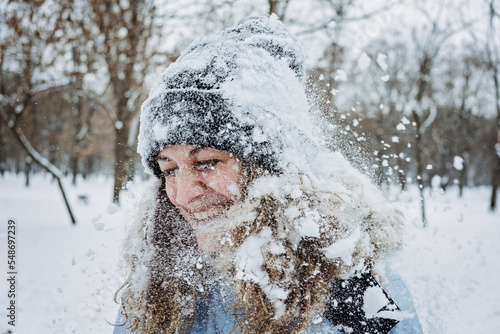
<point>27,172</point>
<point>463,176</point>
<point>278,7</point>
<point>73,165</point>
<point>402,179</point>
<point>494,185</point>
<point>56,173</point>
<point>420,166</point>
<point>494,66</point>
<point>496,171</point>
<point>420,179</point>
<point>273,6</point>
<point>123,163</point>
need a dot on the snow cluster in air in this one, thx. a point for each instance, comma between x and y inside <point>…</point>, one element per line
<point>263,90</point>
<point>458,163</point>
<point>364,61</point>
<point>340,75</point>
<point>333,180</point>
<point>382,61</point>
<point>401,127</point>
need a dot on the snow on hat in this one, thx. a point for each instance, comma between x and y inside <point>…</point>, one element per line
<point>239,91</point>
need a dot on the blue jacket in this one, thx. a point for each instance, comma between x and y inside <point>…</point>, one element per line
<point>345,311</point>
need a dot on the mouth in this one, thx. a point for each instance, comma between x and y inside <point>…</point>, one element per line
<point>204,212</point>
<point>208,213</point>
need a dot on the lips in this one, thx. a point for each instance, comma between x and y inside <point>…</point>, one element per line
<point>201,212</point>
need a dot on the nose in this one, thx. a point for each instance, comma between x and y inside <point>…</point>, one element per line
<point>189,186</point>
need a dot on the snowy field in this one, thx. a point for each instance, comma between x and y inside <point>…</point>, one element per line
<point>67,275</point>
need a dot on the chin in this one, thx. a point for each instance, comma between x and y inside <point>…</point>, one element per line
<point>208,227</point>
<point>208,244</point>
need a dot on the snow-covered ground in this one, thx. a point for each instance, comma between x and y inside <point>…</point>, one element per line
<point>452,267</point>
<point>67,275</point>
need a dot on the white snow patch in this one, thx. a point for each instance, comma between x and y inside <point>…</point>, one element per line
<point>454,258</point>
<point>276,248</point>
<point>258,136</point>
<point>292,212</point>
<point>249,261</point>
<point>118,125</point>
<point>381,61</point>
<point>436,181</point>
<point>340,75</point>
<point>364,61</point>
<point>112,208</point>
<point>233,188</point>
<point>317,320</point>
<point>458,163</point>
<point>374,300</point>
<point>99,226</point>
<point>343,248</point>
<point>308,227</point>
<point>400,315</point>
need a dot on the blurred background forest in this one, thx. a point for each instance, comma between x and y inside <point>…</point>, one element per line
<point>406,89</point>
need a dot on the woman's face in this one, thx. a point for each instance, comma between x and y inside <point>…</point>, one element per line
<point>201,182</point>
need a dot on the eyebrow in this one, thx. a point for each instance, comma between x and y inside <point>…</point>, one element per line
<point>190,153</point>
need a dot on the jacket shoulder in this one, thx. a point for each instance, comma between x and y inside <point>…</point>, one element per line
<point>359,304</point>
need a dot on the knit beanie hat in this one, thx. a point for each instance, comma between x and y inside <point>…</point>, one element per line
<point>239,91</point>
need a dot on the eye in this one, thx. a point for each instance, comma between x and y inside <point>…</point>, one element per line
<point>169,172</point>
<point>207,164</point>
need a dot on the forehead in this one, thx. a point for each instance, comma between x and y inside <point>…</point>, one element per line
<point>186,151</point>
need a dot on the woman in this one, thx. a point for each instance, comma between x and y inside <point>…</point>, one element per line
<point>254,228</point>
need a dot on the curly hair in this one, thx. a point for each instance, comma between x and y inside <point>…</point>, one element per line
<point>168,274</point>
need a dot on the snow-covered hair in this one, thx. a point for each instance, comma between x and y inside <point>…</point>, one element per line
<point>281,252</point>
<point>306,217</point>
<point>239,91</point>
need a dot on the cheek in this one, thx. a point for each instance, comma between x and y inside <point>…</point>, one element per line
<point>225,181</point>
<point>171,190</point>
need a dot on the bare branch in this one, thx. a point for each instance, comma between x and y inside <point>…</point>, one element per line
<point>366,16</point>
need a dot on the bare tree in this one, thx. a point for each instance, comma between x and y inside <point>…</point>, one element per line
<point>384,91</point>
<point>464,93</point>
<point>428,45</point>
<point>493,54</point>
<point>29,36</point>
<point>126,37</point>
